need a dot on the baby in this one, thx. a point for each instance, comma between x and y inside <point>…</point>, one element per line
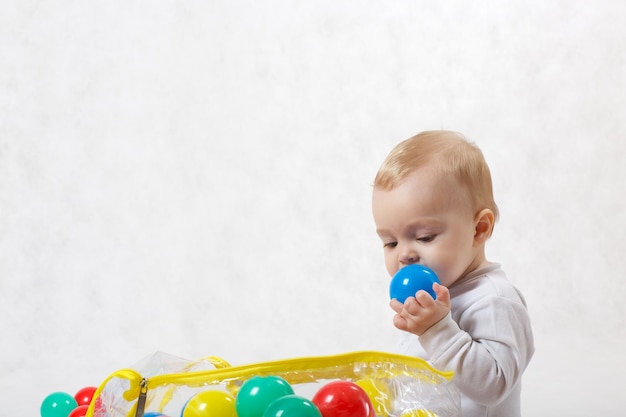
<point>433,205</point>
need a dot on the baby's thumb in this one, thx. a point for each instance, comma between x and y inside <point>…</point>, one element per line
<point>443,295</point>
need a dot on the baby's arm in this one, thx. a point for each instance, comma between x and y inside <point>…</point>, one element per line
<point>488,349</point>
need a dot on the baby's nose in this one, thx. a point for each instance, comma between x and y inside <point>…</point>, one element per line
<point>409,256</point>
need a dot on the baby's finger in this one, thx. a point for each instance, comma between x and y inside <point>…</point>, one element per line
<point>443,295</point>
<point>424,299</point>
<point>412,306</point>
<point>396,305</point>
<point>400,322</point>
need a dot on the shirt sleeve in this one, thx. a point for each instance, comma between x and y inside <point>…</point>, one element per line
<point>488,349</point>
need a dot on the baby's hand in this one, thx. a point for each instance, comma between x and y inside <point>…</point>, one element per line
<point>419,313</point>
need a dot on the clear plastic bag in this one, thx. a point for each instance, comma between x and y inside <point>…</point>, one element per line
<point>397,385</point>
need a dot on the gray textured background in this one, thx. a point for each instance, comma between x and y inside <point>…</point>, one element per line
<point>194,177</point>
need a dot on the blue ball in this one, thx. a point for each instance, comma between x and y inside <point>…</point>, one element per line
<point>410,279</point>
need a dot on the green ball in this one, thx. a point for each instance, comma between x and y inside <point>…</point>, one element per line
<point>258,392</point>
<point>58,404</point>
<point>292,406</point>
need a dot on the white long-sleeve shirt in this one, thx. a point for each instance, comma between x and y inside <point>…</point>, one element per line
<point>486,339</point>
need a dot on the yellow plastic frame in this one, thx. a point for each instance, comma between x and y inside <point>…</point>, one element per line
<point>295,371</point>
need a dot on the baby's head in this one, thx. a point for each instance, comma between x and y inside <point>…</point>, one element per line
<point>453,156</point>
<point>433,204</point>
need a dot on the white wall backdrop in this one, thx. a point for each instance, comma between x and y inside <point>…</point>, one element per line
<point>193,177</point>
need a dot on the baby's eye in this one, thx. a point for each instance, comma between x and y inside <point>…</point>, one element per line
<point>426,239</point>
<point>390,244</point>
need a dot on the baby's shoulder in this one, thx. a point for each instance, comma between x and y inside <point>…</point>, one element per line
<point>487,282</point>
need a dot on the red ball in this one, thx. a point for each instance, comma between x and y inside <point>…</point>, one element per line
<point>80,411</point>
<point>343,399</point>
<point>98,407</point>
<point>85,395</point>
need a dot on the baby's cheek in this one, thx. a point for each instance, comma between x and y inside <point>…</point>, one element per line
<point>391,266</point>
<point>446,276</point>
<point>449,269</point>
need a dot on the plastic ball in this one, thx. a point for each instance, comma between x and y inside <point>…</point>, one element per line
<point>291,406</point>
<point>379,394</point>
<point>58,404</point>
<point>80,411</point>
<point>85,395</point>
<point>343,399</point>
<point>410,279</point>
<point>154,414</point>
<point>258,392</point>
<point>98,407</point>
<point>210,403</point>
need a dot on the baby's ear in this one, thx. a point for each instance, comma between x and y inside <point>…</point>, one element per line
<point>483,226</point>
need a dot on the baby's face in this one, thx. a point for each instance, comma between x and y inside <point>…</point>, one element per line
<point>426,219</point>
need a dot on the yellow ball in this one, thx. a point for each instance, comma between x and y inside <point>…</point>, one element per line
<point>379,394</point>
<point>210,403</point>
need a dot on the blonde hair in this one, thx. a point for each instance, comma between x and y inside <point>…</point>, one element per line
<point>453,155</point>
